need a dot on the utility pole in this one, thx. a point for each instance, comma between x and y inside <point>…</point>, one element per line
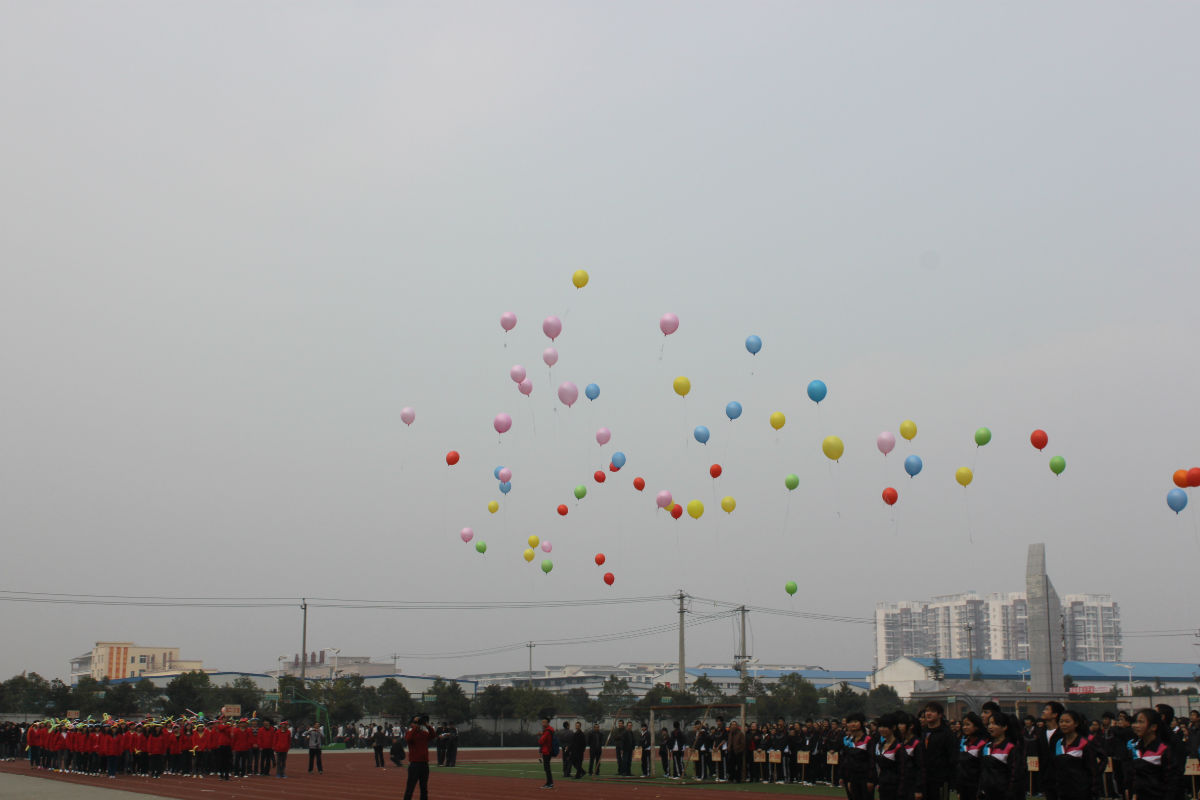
<point>970,651</point>
<point>742,656</point>
<point>531,645</point>
<point>395,656</point>
<point>304,639</point>
<point>682,674</point>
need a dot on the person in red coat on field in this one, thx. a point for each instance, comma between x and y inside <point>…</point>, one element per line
<point>282,743</point>
<point>241,740</point>
<point>418,736</point>
<point>546,752</point>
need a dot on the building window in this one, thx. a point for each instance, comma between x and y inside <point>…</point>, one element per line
<point>141,659</point>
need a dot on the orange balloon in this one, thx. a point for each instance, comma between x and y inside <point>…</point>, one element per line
<point>452,457</point>
<point>1181,478</point>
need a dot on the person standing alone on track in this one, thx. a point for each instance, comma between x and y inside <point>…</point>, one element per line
<point>545,752</point>
<point>418,736</point>
<point>314,737</point>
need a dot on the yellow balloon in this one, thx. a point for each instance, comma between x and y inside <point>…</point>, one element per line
<point>778,420</point>
<point>493,506</point>
<point>695,508</point>
<point>580,278</point>
<point>728,504</point>
<point>833,448</point>
<point>529,554</point>
<point>534,541</point>
<point>682,386</point>
<point>908,429</point>
<point>964,476</point>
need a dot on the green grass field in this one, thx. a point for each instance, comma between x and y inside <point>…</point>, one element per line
<point>533,772</point>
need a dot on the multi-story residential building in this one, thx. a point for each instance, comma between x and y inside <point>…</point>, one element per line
<point>116,660</point>
<point>1091,627</point>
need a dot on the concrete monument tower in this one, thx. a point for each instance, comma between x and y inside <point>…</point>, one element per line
<point>1045,626</point>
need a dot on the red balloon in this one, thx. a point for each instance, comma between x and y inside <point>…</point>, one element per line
<point>452,457</point>
<point>715,470</point>
<point>609,578</point>
<point>1039,439</point>
<point>562,510</point>
<point>1182,477</point>
<point>599,476</point>
<point>613,468</point>
<point>890,496</point>
<point>1194,476</point>
<point>639,483</point>
<point>599,559</point>
<point>676,510</point>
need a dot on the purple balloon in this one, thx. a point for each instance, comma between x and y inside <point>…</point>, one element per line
<point>552,327</point>
<point>568,393</point>
<point>550,356</point>
<point>664,499</point>
<point>525,387</point>
<point>668,324</point>
<point>602,436</point>
<point>502,423</point>
<point>517,373</point>
<point>407,415</point>
<point>508,320</point>
<point>885,442</point>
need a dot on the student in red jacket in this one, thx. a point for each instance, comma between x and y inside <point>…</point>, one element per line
<point>418,736</point>
<point>283,743</point>
<point>546,752</point>
<point>224,749</point>
<point>240,740</point>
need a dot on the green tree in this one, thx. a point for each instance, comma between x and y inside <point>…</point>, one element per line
<point>706,691</point>
<point>577,701</point>
<point>615,694</point>
<point>190,691</point>
<point>937,671</point>
<point>751,687</point>
<point>242,692</point>
<point>28,693</point>
<point>882,699</point>
<point>450,702</point>
<point>149,697</point>
<point>495,703</point>
<point>659,695</point>
<point>530,705</point>
<point>394,699</point>
<point>845,700</point>
<point>120,701</point>
<point>792,697</point>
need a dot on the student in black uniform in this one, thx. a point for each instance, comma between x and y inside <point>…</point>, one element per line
<point>908,730</point>
<point>595,743</point>
<point>1076,761</point>
<point>970,751</point>
<point>1002,773</point>
<point>1176,784</point>
<point>889,759</point>
<point>855,766</point>
<point>678,745</point>
<point>1150,757</point>
<point>1046,741</point>
<point>941,751</point>
<point>645,744</point>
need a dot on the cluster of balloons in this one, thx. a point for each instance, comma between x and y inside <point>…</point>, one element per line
<point>1177,498</point>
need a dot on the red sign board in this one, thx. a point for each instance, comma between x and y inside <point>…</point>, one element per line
<point>1081,690</point>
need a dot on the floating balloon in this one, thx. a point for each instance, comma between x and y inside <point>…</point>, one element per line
<point>525,387</point>
<point>504,474</point>
<point>580,278</point>
<point>568,393</point>
<point>664,499</point>
<point>817,391</point>
<point>1181,478</point>
<point>466,534</point>
<point>1194,477</point>
<point>613,467</point>
<point>562,509</point>
<point>1177,500</point>
<point>528,554</point>
<point>715,471</point>
<point>733,410</point>
<point>580,492</point>
<point>407,415</point>
<point>517,373</point>
<point>753,344</point>
<point>502,423</point>
<point>496,472</point>
<point>493,506</point>
<point>668,324</point>
<point>547,547</point>
<point>790,587</point>
<point>508,320</point>
<point>676,510</point>
<point>1057,465</point>
<point>599,559</point>
<point>552,327</point>
<point>618,459</point>
<point>890,496</point>
<point>534,540</point>
<point>913,465</point>
<point>639,483</point>
<point>609,578</point>
<point>1039,438</point>
<point>791,481</point>
<point>728,504</point>
<point>886,442</point>
<point>599,476</point>
<point>701,434</point>
<point>481,547</point>
<point>682,386</point>
<point>964,476</point>
<point>505,487</point>
<point>602,436</point>
<point>908,429</point>
<point>695,509</point>
<point>778,420</point>
<point>547,565</point>
<point>982,437</point>
<point>591,391</point>
<point>452,457</point>
<point>550,356</point>
<point>833,448</point>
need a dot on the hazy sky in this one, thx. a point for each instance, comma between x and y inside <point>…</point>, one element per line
<point>237,238</point>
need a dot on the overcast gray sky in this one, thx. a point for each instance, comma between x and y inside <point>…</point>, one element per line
<point>237,238</point>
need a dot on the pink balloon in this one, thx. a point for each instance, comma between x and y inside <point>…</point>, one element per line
<point>508,320</point>
<point>502,423</point>
<point>568,393</point>
<point>602,436</point>
<point>525,387</point>
<point>885,442</point>
<point>550,356</point>
<point>505,475</point>
<point>668,324</point>
<point>552,327</point>
<point>467,534</point>
<point>517,373</point>
<point>664,499</point>
<point>547,547</point>
<point>407,415</point>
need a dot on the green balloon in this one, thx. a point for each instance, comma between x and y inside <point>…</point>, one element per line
<point>580,492</point>
<point>791,587</point>
<point>1057,465</point>
<point>982,436</point>
<point>481,547</point>
<point>547,565</point>
<point>791,481</point>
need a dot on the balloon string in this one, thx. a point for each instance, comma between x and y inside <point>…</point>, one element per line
<point>833,492</point>
<point>532,418</point>
<point>967,507</point>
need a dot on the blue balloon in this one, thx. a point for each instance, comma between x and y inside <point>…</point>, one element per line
<point>817,391</point>
<point>753,344</point>
<point>496,472</point>
<point>733,410</point>
<point>618,459</point>
<point>701,434</point>
<point>912,465</point>
<point>592,391</point>
<point>505,487</point>
<point>1177,500</point>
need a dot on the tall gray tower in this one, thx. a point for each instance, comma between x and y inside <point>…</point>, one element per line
<point>1045,626</point>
